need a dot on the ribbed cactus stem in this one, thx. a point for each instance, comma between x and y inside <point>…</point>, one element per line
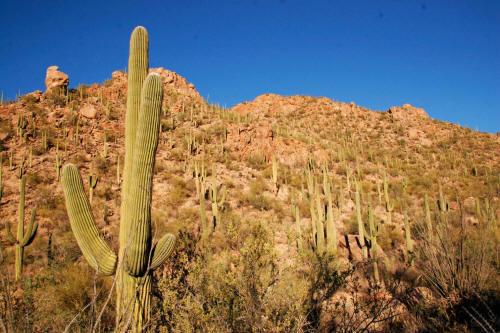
<point>331,229</point>
<point>320,232</point>
<point>428,218</point>
<point>22,239</point>
<point>409,242</point>
<point>443,205</point>
<point>373,241</point>
<point>94,248</point>
<point>296,212</point>
<point>203,215</point>
<point>389,207</point>
<point>275,175</point>
<point>137,255</point>
<point>361,227</point>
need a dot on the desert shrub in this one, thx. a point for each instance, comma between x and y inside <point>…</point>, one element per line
<point>460,265</point>
<point>256,198</point>
<point>178,192</point>
<point>231,291</point>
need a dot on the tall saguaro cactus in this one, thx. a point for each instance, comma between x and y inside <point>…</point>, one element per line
<point>22,240</point>
<point>137,255</point>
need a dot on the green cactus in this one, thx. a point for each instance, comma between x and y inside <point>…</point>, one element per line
<point>409,242</point>
<point>374,232</point>
<point>428,218</point>
<point>216,204</point>
<point>389,206</point>
<point>22,240</point>
<point>57,166</point>
<point>275,175</point>
<point>361,228</point>
<point>331,229</point>
<point>320,217</point>
<point>205,227</point>
<point>442,203</point>
<point>137,255</point>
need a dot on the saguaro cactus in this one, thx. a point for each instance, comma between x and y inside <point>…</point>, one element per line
<point>361,228</point>
<point>374,231</point>
<point>22,240</point>
<point>389,206</point>
<point>137,255</point>
<point>216,204</point>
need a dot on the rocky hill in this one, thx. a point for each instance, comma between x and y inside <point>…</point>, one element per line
<point>342,148</point>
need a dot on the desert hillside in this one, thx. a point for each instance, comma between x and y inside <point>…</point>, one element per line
<point>298,180</point>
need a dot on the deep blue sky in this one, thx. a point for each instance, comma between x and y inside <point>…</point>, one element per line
<point>441,55</point>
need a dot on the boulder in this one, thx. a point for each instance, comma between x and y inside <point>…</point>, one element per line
<point>56,80</point>
<point>407,111</point>
<point>88,111</point>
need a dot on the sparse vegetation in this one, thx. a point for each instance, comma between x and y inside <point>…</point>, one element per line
<point>249,274</point>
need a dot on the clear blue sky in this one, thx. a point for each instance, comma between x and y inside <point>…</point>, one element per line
<point>441,55</point>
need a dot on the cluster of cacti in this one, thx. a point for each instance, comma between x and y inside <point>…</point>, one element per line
<point>321,214</point>
<point>22,124</point>
<point>23,239</point>
<point>137,255</point>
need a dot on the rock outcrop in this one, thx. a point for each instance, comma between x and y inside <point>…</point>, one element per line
<point>406,111</point>
<point>56,80</point>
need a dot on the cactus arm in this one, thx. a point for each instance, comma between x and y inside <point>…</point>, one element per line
<point>162,250</point>
<point>32,228</point>
<point>10,236</point>
<point>93,247</point>
<point>139,197</point>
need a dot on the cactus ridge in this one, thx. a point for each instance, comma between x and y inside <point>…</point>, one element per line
<point>142,176</point>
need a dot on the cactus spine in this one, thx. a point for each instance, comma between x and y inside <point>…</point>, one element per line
<point>137,255</point>
<point>22,240</point>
